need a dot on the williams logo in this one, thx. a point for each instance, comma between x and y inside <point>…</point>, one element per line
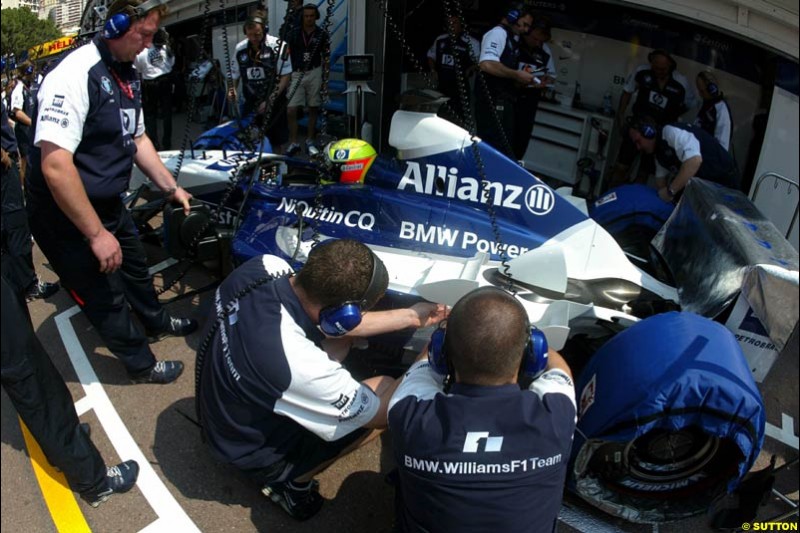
<point>477,441</point>
<point>107,87</point>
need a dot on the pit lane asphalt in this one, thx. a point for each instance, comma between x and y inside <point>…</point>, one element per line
<point>206,496</point>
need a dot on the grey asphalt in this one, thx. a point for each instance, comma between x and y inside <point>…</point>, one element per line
<point>216,499</point>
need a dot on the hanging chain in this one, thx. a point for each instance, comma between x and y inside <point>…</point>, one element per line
<point>398,33</point>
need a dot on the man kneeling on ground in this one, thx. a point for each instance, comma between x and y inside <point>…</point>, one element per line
<point>273,398</point>
<point>487,455</point>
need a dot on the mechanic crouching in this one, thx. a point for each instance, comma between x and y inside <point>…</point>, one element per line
<point>483,454</point>
<point>273,398</point>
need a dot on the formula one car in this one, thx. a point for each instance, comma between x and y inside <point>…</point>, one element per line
<point>450,213</point>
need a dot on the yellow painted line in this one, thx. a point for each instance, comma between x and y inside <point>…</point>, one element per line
<point>60,500</point>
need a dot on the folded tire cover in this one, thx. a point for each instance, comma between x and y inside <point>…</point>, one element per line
<point>668,372</point>
<point>630,205</point>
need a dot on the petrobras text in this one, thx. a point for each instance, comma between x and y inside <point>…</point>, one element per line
<point>351,219</point>
<point>443,236</point>
<point>461,468</point>
<point>440,180</point>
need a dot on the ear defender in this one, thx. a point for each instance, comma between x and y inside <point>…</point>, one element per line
<point>711,85</point>
<point>534,359</point>
<point>513,16</point>
<point>645,127</point>
<point>341,319</point>
<point>119,23</point>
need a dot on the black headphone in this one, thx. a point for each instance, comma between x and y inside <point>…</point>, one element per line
<point>118,24</point>
<point>534,355</point>
<point>340,319</point>
<point>644,125</point>
<point>659,52</point>
<point>710,82</point>
<point>314,7</point>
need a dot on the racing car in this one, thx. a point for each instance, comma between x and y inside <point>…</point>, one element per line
<point>669,415</point>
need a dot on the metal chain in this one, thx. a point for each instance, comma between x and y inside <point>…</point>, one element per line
<point>383,4</point>
<point>470,123</point>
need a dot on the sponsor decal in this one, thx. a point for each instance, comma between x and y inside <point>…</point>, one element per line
<point>658,99</point>
<point>341,154</point>
<point>64,123</point>
<point>48,118</point>
<point>58,100</point>
<point>256,73</point>
<point>223,335</point>
<point>540,200</point>
<point>444,236</point>
<point>341,402</point>
<point>351,219</point>
<point>352,166</point>
<point>128,120</point>
<point>610,197</point>
<point>105,83</point>
<point>476,440</point>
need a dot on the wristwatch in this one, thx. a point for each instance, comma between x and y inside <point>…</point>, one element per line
<point>171,191</point>
<point>670,191</point>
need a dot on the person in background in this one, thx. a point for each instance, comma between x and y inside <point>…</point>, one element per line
<point>21,111</point>
<point>499,62</point>
<point>274,400</point>
<point>715,114</point>
<point>442,64</point>
<point>17,243</point>
<point>483,453</point>
<point>155,63</point>
<point>535,57</point>
<point>682,151</point>
<point>89,131</point>
<point>258,62</point>
<point>662,93</point>
<point>308,45</point>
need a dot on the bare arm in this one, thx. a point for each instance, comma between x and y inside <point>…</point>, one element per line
<point>150,163</point>
<point>383,387</point>
<point>556,361</point>
<point>419,315</point>
<point>496,68</point>
<point>65,184</point>
<point>688,169</point>
<point>21,117</point>
<point>624,100</point>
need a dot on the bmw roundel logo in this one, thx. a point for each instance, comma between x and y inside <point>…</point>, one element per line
<point>539,199</point>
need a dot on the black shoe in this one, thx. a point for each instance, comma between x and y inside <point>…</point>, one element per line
<point>41,290</point>
<point>301,502</point>
<point>120,478</point>
<point>161,373</point>
<point>178,327</point>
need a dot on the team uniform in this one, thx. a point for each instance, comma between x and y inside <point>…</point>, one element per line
<point>306,51</point>
<point>155,65</point>
<point>464,468</point>
<point>90,106</point>
<point>715,118</point>
<point>679,142</point>
<point>258,72</point>
<point>444,54</point>
<point>539,62</point>
<point>270,400</point>
<point>662,104</point>
<point>22,99</point>
<point>498,44</point>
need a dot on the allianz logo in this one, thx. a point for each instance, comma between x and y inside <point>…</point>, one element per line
<point>439,180</point>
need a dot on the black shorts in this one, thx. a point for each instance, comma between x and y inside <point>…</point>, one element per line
<point>307,454</point>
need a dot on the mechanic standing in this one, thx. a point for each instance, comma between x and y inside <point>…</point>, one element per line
<point>486,454</point>
<point>535,57</point>
<point>307,44</point>
<point>258,63</point>
<point>499,60</point>
<point>274,400</point>
<point>715,114</point>
<point>16,233</point>
<point>21,111</point>
<point>683,151</point>
<point>155,63</point>
<point>442,64</point>
<point>89,132</point>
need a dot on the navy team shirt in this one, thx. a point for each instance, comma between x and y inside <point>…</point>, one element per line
<point>481,458</point>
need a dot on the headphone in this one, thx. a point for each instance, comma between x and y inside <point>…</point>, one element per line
<point>514,13</point>
<point>534,355</point>
<point>254,20</point>
<point>314,7</point>
<point>340,319</point>
<point>119,23</point>
<point>28,70</point>
<point>659,52</point>
<point>647,127</point>
<point>710,82</point>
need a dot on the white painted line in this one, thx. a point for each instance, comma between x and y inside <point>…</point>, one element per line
<point>785,433</point>
<point>171,515</point>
